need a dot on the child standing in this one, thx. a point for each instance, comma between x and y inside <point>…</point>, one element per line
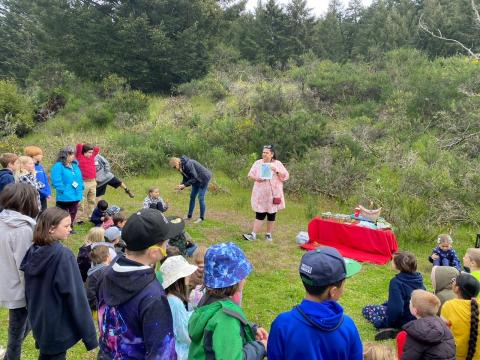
<point>134,317</point>
<point>395,313</point>
<point>428,337</point>
<point>462,316</point>
<point>471,260</point>
<point>99,214</point>
<point>58,309</point>
<point>317,328</point>
<point>196,279</point>
<point>154,200</point>
<point>174,271</point>
<point>37,155</point>
<point>86,154</point>
<point>101,258</point>
<point>219,328</point>
<point>16,232</point>
<point>444,254</point>
<point>94,235</point>
<point>9,164</point>
<point>26,174</point>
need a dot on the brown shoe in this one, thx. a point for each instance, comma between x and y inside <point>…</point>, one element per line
<point>132,195</point>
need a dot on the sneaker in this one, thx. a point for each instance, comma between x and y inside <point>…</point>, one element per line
<point>386,334</point>
<point>268,237</point>
<point>198,221</point>
<point>3,351</point>
<point>248,237</point>
<point>80,222</point>
<point>187,218</point>
<point>132,195</point>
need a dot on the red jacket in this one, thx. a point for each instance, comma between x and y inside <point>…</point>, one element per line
<point>87,165</point>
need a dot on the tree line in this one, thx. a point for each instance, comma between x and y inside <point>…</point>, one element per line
<point>157,44</point>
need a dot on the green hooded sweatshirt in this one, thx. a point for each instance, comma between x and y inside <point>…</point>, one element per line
<point>221,331</point>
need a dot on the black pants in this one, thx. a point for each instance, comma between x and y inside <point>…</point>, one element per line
<point>71,207</point>
<point>269,216</point>
<point>18,330</point>
<point>61,356</point>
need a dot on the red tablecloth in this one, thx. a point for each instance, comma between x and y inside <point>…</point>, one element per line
<point>355,242</point>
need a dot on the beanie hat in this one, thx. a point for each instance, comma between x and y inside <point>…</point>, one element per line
<point>148,227</point>
<point>32,151</point>
<point>225,265</point>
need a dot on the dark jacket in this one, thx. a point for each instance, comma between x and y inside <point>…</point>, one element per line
<point>97,215</point>
<point>428,338</point>
<point>95,274</point>
<point>58,309</point>
<point>134,316</point>
<point>314,331</point>
<point>194,173</point>
<point>6,177</point>
<point>450,255</point>
<point>399,293</point>
<point>83,260</point>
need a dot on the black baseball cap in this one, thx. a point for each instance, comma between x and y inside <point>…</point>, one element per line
<point>149,227</point>
<point>325,266</point>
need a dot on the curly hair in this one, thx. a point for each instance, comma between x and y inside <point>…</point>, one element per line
<point>472,341</point>
<point>63,154</point>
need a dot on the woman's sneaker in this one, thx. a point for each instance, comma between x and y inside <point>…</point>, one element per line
<point>268,237</point>
<point>249,237</point>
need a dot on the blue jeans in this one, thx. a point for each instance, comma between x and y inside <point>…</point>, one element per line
<point>200,191</point>
<point>441,262</point>
<point>18,329</point>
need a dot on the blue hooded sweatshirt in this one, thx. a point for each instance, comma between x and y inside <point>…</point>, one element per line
<point>43,178</point>
<point>399,294</point>
<point>6,177</point>
<point>57,305</point>
<point>322,332</point>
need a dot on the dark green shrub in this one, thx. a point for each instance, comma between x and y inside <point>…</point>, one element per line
<point>16,110</point>
<point>132,102</point>
<point>100,114</point>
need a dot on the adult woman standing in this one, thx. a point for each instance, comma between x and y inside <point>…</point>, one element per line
<point>67,181</point>
<point>268,175</point>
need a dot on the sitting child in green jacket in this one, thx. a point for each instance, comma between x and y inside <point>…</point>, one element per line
<point>219,328</point>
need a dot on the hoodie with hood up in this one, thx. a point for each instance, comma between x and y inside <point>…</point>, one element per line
<point>16,233</point>
<point>428,338</point>
<point>314,331</point>
<point>134,317</point>
<point>194,173</point>
<point>58,309</point>
<point>220,330</point>
<point>6,177</point>
<point>399,294</point>
<point>442,277</point>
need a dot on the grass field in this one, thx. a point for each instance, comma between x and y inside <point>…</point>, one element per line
<point>274,285</point>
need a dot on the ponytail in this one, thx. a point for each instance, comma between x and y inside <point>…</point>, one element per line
<point>472,342</point>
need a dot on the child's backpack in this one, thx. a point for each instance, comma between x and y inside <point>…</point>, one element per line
<point>183,242</point>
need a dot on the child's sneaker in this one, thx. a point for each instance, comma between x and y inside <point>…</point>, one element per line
<point>268,237</point>
<point>132,195</point>
<point>385,334</point>
<point>249,237</point>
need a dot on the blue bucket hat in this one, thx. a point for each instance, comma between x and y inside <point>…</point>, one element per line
<point>225,265</point>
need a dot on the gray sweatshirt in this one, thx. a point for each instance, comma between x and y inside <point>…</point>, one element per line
<point>16,234</point>
<point>104,171</point>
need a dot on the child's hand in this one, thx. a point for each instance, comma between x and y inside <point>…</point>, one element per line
<point>261,334</point>
<point>435,256</point>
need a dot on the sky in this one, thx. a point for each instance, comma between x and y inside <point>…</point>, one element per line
<point>319,6</point>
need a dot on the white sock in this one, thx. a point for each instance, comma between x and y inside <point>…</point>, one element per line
<point>269,234</point>
<point>254,235</point>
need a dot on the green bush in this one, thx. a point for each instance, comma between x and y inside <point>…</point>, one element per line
<point>132,102</point>
<point>16,110</point>
<point>100,114</point>
<point>210,86</point>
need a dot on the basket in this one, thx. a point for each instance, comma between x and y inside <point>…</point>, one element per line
<point>368,214</point>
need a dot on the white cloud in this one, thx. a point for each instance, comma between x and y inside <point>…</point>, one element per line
<point>319,7</point>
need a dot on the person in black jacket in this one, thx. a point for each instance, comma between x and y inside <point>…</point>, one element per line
<point>58,310</point>
<point>195,175</point>
<point>9,164</point>
<point>427,337</point>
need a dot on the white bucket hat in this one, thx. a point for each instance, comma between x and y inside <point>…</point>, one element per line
<point>174,268</point>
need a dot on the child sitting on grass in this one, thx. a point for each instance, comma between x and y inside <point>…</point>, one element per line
<point>174,271</point>
<point>196,279</point>
<point>393,314</point>
<point>442,282</point>
<point>444,254</point>
<point>471,260</point>
<point>101,258</point>
<point>99,214</point>
<point>94,235</point>
<point>219,328</point>
<point>317,328</point>
<point>113,236</point>
<point>461,315</point>
<point>111,212</point>
<point>428,337</point>
<point>154,200</point>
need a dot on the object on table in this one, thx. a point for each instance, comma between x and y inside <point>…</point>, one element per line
<point>369,214</point>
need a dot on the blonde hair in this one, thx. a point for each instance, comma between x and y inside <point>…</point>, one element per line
<point>94,235</point>
<point>24,160</point>
<point>198,255</point>
<point>444,239</point>
<point>378,352</point>
<point>474,255</point>
<point>151,189</point>
<point>426,303</point>
<point>173,161</point>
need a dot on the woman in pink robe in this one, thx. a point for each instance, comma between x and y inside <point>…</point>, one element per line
<point>268,175</point>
